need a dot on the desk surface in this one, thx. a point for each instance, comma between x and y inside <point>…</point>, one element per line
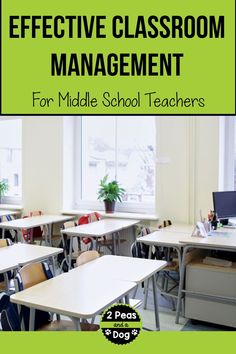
<point>75,294</point>
<point>182,228</point>
<point>180,239</point>
<point>161,238</point>
<point>100,228</point>
<point>34,221</point>
<point>122,268</point>
<point>19,254</point>
<point>228,241</point>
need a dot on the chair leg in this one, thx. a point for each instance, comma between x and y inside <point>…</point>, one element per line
<point>135,292</point>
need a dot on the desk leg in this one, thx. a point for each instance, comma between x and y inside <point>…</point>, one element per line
<point>19,236</point>
<point>127,299</point>
<point>181,284</point>
<point>48,234</point>
<point>118,243</point>
<point>3,233</point>
<point>52,261</point>
<point>22,323</point>
<point>76,322</point>
<point>114,250</point>
<point>70,252</point>
<point>32,319</point>
<point>146,282</point>
<point>155,302</point>
<point>6,281</point>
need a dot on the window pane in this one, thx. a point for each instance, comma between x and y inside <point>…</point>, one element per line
<point>122,147</point>
<point>98,153</point>
<point>136,162</point>
<point>10,155</point>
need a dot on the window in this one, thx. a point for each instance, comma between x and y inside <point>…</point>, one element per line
<point>10,158</point>
<point>124,148</point>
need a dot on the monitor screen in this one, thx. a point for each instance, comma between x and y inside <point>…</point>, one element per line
<point>225,204</point>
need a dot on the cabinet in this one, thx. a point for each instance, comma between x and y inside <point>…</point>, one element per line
<point>211,280</point>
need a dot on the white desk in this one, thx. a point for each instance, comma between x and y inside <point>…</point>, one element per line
<point>169,239</point>
<point>164,238</point>
<point>17,255</point>
<point>182,228</point>
<point>98,229</point>
<point>128,269</point>
<point>75,294</point>
<point>34,221</point>
<point>124,268</point>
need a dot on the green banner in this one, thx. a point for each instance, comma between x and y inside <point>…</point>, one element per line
<point>125,57</point>
<point>147,342</point>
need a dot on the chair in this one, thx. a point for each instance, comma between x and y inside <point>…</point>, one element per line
<point>100,242</point>
<point>35,273</point>
<point>170,256</point>
<point>4,278</point>
<point>86,257</point>
<point>165,224</point>
<point>143,251</point>
<point>5,242</point>
<point>65,244</point>
<point>170,274</point>
<point>140,250</point>
<point>11,234</point>
<point>38,233</point>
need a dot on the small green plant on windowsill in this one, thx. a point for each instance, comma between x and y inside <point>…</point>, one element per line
<point>110,192</point>
<point>4,187</point>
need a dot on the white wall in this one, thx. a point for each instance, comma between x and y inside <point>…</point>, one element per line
<point>42,139</point>
<point>207,163</point>
<point>185,183</point>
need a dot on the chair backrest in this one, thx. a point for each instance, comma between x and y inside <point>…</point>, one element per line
<point>145,231</point>
<point>34,233</point>
<point>88,218</point>
<point>165,223</point>
<point>35,213</point>
<point>9,217</point>
<point>138,249</point>
<point>141,250</point>
<point>5,242</point>
<point>32,274</point>
<point>29,275</point>
<point>69,224</point>
<point>86,257</point>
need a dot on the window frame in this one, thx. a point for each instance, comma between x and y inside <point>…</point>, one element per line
<point>16,200</point>
<point>126,207</point>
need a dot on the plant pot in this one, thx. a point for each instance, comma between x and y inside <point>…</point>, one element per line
<point>109,206</point>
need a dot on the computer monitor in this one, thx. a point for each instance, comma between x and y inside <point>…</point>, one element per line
<point>225,204</point>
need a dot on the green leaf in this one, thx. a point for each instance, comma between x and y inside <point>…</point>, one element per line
<point>110,191</point>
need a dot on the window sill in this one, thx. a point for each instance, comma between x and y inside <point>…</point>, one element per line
<point>117,215</point>
<point>11,207</point>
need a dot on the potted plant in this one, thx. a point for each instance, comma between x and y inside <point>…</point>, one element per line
<point>3,189</point>
<point>110,192</point>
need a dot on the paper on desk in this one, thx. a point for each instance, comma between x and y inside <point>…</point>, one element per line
<point>219,234</point>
